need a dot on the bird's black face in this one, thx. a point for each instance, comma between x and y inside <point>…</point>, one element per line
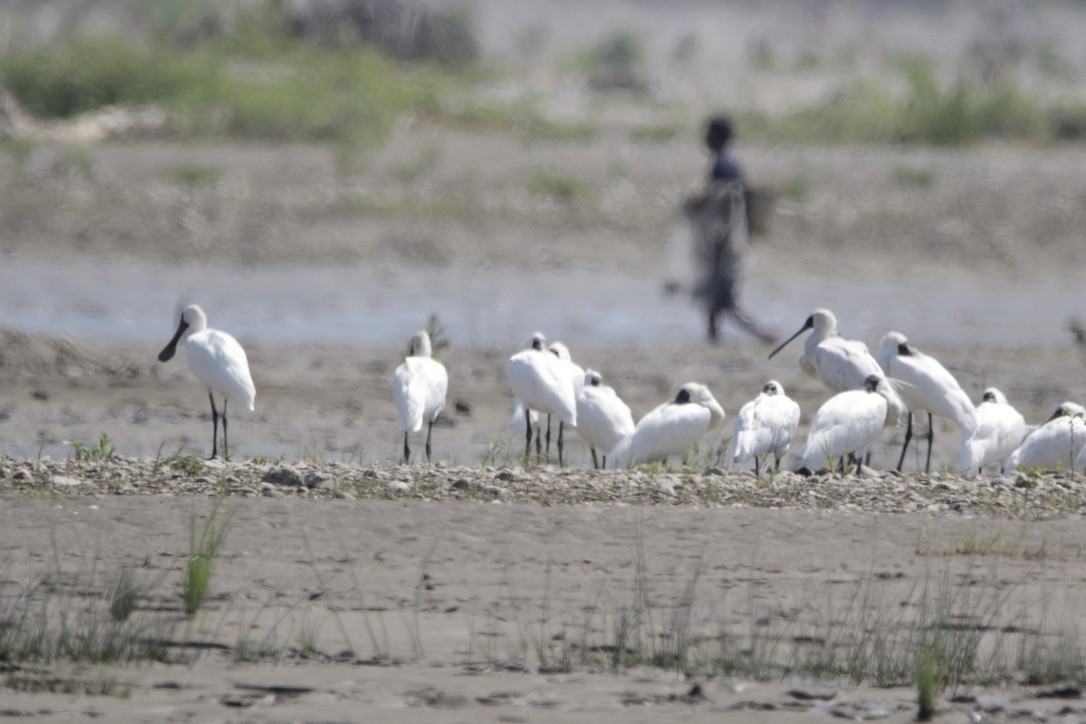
<point>989,397</point>
<point>1061,411</point>
<point>683,397</point>
<point>903,349</point>
<point>595,381</point>
<point>171,349</point>
<point>770,388</point>
<point>809,324</point>
<point>871,383</point>
<point>537,343</point>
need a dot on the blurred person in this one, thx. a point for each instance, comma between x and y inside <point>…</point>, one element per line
<point>709,243</point>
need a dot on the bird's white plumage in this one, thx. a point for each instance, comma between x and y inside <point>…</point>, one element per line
<point>217,360</point>
<point>766,424</point>
<point>543,382</point>
<point>1000,430</point>
<point>603,419</point>
<point>671,428</point>
<point>840,364</point>
<point>419,385</point>
<point>1055,444</point>
<point>848,422</point>
<point>923,382</point>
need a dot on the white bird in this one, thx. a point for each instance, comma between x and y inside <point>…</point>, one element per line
<point>603,419</point>
<point>219,362</point>
<point>576,374</point>
<point>419,386</point>
<point>849,423</point>
<point>542,382</point>
<point>840,364</point>
<point>1055,444</point>
<point>1000,430</point>
<point>670,429</point>
<point>925,385</point>
<point>766,424</point>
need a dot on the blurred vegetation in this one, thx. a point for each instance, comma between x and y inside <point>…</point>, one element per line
<point>251,70</point>
<point>258,80</point>
<point>965,112</point>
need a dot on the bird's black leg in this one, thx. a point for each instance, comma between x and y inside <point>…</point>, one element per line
<point>908,436</point>
<point>406,449</point>
<point>548,436</point>
<point>778,459</point>
<point>604,461</point>
<point>528,435</point>
<point>595,462</point>
<point>225,446</point>
<point>214,426</point>
<point>429,432</point>
<point>757,472</point>
<point>931,439</point>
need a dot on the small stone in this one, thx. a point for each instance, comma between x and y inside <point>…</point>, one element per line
<point>493,490</point>
<point>461,484</point>
<point>22,475</point>
<point>505,476</point>
<point>313,480</point>
<point>60,480</point>
<point>283,475</point>
<point>398,485</point>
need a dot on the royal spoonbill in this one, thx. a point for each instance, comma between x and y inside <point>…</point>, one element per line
<point>1000,430</point>
<point>603,419</point>
<point>542,382</point>
<point>849,424</point>
<point>925,385</point>
<point>670,429</point>
<point>766,424</point>
<point>1055,444</point>
<point>840,364</point>
<point>419,386</point>
<point>219,362</point>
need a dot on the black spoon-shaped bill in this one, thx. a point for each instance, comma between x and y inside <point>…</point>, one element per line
<point>809,324</point>
<point>171,349</point>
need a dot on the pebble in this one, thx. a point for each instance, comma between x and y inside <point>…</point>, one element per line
<point>283,475</point>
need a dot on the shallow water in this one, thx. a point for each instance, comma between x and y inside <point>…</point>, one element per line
<point>498,308</point>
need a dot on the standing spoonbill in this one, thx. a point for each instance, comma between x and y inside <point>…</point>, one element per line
<point>1000,430</point>
<point>849,424</point>
<point>419,386</point>
<point>603,419</point>
<point>217,360</point>
<point>670,429</point>
<point>925,385</point>
<point>542,382</point>
<point>576,374</point>
<point>766,424</point>
<point>1055,444</point>
<point>840,364</point>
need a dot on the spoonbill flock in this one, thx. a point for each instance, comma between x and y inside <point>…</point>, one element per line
<point>871,393</point>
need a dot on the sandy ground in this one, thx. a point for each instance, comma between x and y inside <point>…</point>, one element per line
<point>444,608</point>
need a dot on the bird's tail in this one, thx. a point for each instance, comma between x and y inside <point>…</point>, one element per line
<point>972,453</point>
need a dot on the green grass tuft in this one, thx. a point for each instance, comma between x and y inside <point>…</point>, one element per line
<point>204,549</point>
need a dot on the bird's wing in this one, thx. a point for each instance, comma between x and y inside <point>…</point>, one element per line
<point>434,379</point>
<point>218,361</point>
<point>746,432</point>
<point>409,396</point>
<point>670,429</point>
<point>844,364</point>
<point>781,415</point>
<point>543,382</point>
<point>927,385</point>
<point>602,418</point>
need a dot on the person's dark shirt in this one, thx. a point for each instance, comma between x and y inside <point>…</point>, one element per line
<point>725,168</point>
